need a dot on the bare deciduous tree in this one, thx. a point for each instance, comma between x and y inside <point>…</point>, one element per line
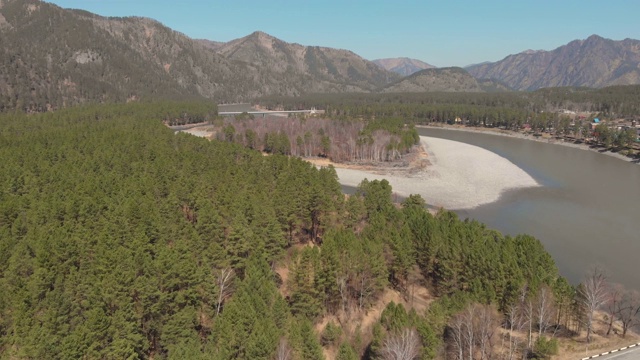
<point>457,326</point>
<point>612,304</point>
<point>224,281</point>
<point>487,324</point>
<point>515,322</point>
<point>545,308</point>
<point>404,345</point>
<point>284,351</point>
<point>472,332</point>
<point>628,309</point>
<point>593,295</point>
<point>339,140</point>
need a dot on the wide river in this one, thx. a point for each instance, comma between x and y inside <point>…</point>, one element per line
<point>586,213</point>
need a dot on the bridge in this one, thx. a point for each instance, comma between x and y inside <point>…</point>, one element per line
<point>271,112</point>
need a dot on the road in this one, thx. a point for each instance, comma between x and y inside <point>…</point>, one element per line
<point>628,354</point>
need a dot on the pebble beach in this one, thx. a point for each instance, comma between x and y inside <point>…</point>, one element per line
<point>460,176</point>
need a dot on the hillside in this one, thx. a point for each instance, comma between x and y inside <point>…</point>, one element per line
<point>594,62</point>
<point>403,66</point>
<point>310,68</point>
<point>452,79</point>
<point>52,57</point>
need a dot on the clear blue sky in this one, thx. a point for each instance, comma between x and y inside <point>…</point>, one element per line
<point>442,33</point>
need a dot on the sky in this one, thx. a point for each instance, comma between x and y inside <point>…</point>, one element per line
<point>442,33</point>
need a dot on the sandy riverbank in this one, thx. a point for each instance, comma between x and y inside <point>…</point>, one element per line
<point>548,140</point>
<point>461,176</point>
<point>205,131</point>
<point>447,174</point>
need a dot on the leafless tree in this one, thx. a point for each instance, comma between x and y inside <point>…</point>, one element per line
<point>472,332</point>
<point>545,308</point>
<point>525,309</point>
<point>612,304</point>
<point>347,140</point>
<point>404,345</point>
<point>487,324</point>
<point>456,328</point>
<point>284,351</point>
<point>628,309</point>
<point>515,322</point>
<point>224,281</point>
<point>344,295</point>
<point>593,295</point>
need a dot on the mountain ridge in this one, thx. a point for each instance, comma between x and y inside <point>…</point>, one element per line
<point>403,65</point>
<point>328,65</point>
<point>52,57</point>
<point>593,62</point>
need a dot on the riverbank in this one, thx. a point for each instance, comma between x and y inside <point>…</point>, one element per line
<point>446,173</point>
<point>460,176</point>
<point>542,139</point>
<point>204,130</point>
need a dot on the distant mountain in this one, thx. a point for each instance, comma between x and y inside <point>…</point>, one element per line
<point>313,68</point>
<point>594,62</point>
<point>52,57</point>
<point>453,79</point>
<point>403,66</point>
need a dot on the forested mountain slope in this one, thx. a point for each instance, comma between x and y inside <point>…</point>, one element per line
<point>452,79</point>
<point>52,58</point>
<point>120,239</point>
<point>595,62</point>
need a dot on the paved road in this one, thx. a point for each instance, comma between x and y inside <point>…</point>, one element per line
<point>629,354</point>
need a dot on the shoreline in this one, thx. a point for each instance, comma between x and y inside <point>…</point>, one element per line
<point>456,179</point>
<point>447,174</point>
<point>515,135</point>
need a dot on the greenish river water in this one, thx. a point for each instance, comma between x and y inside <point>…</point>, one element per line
<point>586,213</point>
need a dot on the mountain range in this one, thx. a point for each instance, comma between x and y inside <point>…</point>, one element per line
<point>594,62</point>
<point>52,57</point>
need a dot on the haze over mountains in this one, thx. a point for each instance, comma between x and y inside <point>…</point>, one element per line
<point>52,57</point>
<point>403,66</point>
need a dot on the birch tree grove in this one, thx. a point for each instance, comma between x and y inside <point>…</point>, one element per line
<point>472,332</point>
<point>341,141</point>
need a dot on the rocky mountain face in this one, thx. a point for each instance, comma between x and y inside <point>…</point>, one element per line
<point>594,62</point>
<point>452,79</point>
<point>311,68</point>
<point>403,66</point>
<point>52,57</point>
<point>213,45</point>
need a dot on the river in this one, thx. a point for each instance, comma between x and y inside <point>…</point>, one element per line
<point>586,213</point>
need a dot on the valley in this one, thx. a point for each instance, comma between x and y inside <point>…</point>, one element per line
<point>332,206</point>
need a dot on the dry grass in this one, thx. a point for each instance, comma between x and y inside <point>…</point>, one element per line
<point>577,347</point>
